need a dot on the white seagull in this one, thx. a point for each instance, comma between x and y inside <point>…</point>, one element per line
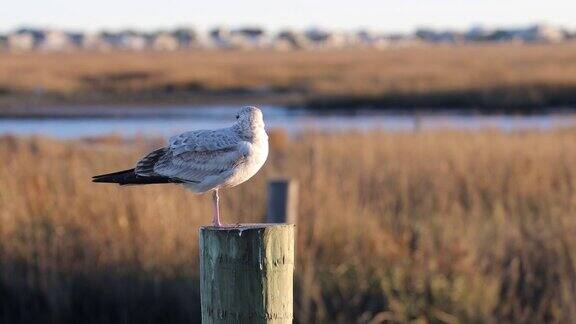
<point>204,160</point>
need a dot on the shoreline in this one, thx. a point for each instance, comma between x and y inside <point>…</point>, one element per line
<point>522,100</point>
<point>45,106</point>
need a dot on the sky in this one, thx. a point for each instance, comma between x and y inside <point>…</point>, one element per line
<point>390,16</point>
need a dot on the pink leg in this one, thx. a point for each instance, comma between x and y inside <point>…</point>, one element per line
<point>216,201</point>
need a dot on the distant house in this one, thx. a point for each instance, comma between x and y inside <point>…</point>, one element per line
<point>130,40</point>
<point>317,38</point>
<point>111,39</point>
<point>371,39</point>
<point>433,36</point>
<point>340,40</point>
<point>185,37</point>
<point>290,39</point>
<point>55,40</point>
<point>500,35</point>
<point>96,42</point>
<point>320,38</point>
<point>477,33</point>
<point>220,37</point>
<point>249,38</point>
<point>106,41</point>
<point>22,41</point>
<point>203,40</point>
<point>401,40</point>
<point>164,42</point>
<point>3,42</point>
<point>532,34</point>
<point>76,39</point>
<point>366,37</point>
<point>543,33</point>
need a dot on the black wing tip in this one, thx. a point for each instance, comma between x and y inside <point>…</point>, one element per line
<point>113,173</point>
<point>98,178</point>
<point>114,177</point>
<point>129,177</point>
<point>105,180</point>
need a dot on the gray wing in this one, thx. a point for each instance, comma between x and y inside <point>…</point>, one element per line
<point>193,156</point>
<point>204,141</point>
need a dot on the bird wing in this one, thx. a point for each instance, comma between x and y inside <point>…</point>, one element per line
<point>193,156</point>
<point>204,141</point>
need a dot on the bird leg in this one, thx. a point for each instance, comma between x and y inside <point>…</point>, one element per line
<point>216,201</point>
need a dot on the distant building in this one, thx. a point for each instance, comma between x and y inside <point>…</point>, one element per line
<point>106,41</point>
<point>501,35</point>
<point>340,40</point>
<point>220,37</point>
<point>76,39</point>
<point>477,33</point>
<point>27,39</point>
<point>3,42</point>
<point>433,36</point>
<point>317,38</point>
<point>290,39</point>
<point>186,37</point>
<point>130,40</point>
<point>543,33</point>
<point>366,37</point>
<point>164,42</point>
<point>55,40</point>
<point>111,39</point>
<point>427,35</point>
<point>533,34</point>
<point>96,42</point>
<point>249,38</point>
<point>371,39</point>
<point>23,41</point>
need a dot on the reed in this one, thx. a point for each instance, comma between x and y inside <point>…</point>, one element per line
<point>437,226</point>
<point>501,75</point>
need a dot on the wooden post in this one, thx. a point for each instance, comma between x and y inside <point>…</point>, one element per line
<point>246,273</point>
<point>282,201</point>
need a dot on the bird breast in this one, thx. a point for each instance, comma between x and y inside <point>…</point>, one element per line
<point>255,154</point>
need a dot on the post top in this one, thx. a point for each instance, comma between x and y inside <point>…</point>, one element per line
<point>243,227</point>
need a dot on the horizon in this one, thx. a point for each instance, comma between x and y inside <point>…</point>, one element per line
<point>394,17</point>
<point>275,30</point>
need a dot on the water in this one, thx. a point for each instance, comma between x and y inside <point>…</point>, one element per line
<point>166,121</point>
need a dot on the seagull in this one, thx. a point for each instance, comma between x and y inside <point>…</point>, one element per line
<point>204,160</point>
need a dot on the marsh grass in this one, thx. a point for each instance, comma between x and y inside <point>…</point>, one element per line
<point>434,226</point>
<point>501,75</point>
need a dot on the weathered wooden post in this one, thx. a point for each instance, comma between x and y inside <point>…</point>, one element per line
<point>246,273</point>
<point>282,201</point>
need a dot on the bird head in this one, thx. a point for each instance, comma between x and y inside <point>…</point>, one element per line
<point>250,120</point>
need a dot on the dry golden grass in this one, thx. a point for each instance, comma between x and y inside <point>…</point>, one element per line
<point>413,70</point>
<point>439,226</point>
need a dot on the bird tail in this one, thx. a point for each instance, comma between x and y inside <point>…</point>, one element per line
<point>129,177</point>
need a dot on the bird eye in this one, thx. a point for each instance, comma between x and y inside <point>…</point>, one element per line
<point>237,116</point>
